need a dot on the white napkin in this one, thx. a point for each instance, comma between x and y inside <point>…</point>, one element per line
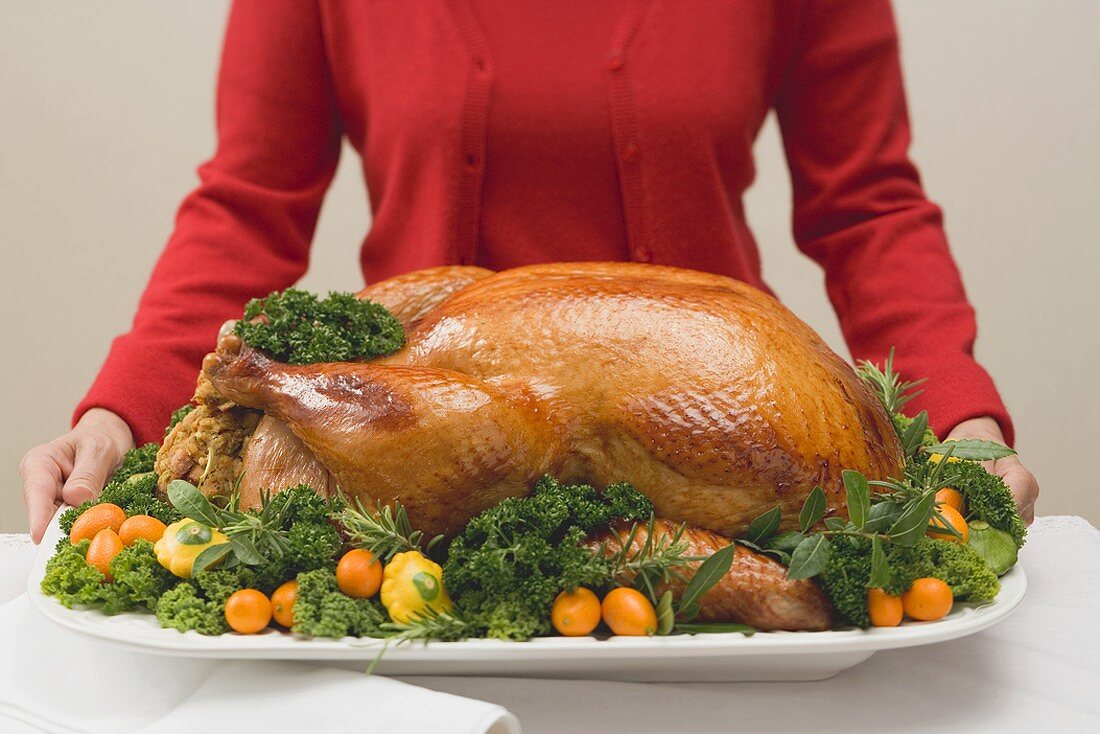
<point>59,681</point>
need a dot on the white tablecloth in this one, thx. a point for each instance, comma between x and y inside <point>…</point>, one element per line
<point>1038,671</point>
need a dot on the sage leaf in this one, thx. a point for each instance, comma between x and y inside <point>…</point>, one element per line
<point>689,612</point>
<point>971,449</point>
<point>914,434</point>
<point>881,516</point>
<point>665,615</point>
<point>765,525</point>
<point>859,497</point>
<point>837,523</point>
<point>913,520</point>
<point>813,509</point>
<point>700,628</point>
<point>708,574</point>
<point>192,503</point>
<point>810,557</point>
<point>210,556</point>
<point>786,541</point>
<point>246,550</point>
<point>880,570</point>
<point>781,556</point>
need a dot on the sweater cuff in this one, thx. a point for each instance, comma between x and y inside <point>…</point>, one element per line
<point>141,388</point>
<point>958,389</point>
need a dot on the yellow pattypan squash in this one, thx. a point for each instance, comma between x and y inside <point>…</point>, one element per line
<point>182,542</point>
<point>411,585</point>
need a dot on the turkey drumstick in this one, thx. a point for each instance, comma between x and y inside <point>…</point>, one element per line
<point>755,591</point>
<point>443,444</point>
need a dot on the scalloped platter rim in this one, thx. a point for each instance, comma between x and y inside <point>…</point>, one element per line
<point>764,656</point>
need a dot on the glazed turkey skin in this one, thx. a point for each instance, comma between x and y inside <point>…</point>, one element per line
<point>704,393</point>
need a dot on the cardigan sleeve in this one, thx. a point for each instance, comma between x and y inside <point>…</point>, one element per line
<point>860,212</point>
<point>246,230</point>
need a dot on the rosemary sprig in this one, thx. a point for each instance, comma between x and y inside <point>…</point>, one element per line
<point>385,532</point>
<point>425,627</point>
<point>430,624</point>
<point>887,384</point>
<point>656,561</point>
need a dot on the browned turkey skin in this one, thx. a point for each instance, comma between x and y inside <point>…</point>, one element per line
<point>756,591</point>
<point>707,395</point>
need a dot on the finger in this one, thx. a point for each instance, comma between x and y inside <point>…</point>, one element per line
<point>95,459</point>
<point>1024,486</point>
<point>41,487</point>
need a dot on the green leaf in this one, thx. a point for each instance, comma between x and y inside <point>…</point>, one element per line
<point>810,557</point>
<point>246,550</point>
<point>665,615</point>
<point>209,556</point>
<point>914,434</point>
<point>192,503</point>
<point>971,449</point>
<point>702,628</point>
<point>813,509</point>
<point>749,544</point>
<point>764,526</point>
<point>781,556</point>
<point>837,523</point>
<point>859,497</point>
<point>786,541</point>
<point>708,574</point>
<point>881,517</point>
<point>880,570</point>
<point>688,613</point>
<point>913,520</point>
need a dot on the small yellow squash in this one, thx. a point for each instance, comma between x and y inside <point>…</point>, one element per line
<point>181,544</point>
<point>411,585</point>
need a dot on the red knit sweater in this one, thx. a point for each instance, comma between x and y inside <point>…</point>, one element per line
<point>503,132</point>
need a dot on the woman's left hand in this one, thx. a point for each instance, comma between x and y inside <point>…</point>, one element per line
<point>1024,486</point>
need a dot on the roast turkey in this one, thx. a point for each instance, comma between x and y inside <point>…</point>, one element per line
<point>704,393</point>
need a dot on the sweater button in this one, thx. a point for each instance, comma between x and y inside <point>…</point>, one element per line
<point>630,153</point>
<point>480,63</point>
<point>615,59</point>
<point>642,254</point>
<point>472,161</point>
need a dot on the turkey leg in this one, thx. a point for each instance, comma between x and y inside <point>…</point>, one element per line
<point>274,459</point>
<point>755,591</point>
<point>443,444</point>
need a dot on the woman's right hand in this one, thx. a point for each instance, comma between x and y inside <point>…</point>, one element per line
<point>72,468</point>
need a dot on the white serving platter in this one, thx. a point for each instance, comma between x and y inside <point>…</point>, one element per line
<point>765,656</point>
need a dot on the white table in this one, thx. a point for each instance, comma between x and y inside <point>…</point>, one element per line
<point>1038,671</point>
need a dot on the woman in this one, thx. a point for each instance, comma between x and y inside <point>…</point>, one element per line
<point>504,133</point>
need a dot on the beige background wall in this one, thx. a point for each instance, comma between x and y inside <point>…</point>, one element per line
<point>106,109</point>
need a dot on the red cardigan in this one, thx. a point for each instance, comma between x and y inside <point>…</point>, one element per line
<point>507,137</point>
